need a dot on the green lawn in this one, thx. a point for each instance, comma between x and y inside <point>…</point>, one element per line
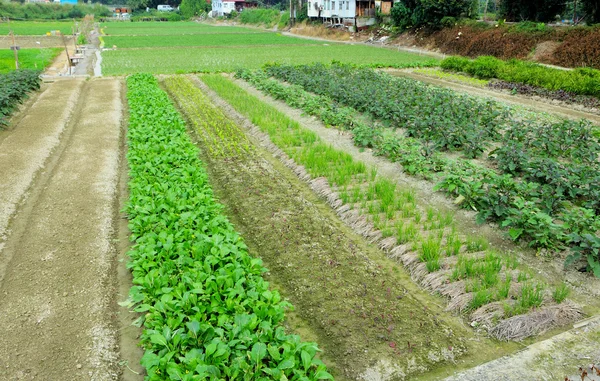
<point>228,59</point>
<point>184,47</point>
<point>35,28</point>
<point>28,58</point>
<point>223,39</point>
<point>168,28</point>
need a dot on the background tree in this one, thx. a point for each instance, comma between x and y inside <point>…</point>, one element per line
<point>531,10</point>
<point>407,13</point>
<point>192,8</point>
<point>591,8</point>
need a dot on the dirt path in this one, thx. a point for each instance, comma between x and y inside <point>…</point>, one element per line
<point>552,359</point>
<point>57,294</point>
<point>538,106</point>
<point>24,150</point>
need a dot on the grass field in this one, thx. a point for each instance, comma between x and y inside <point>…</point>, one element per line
<point>177,60</point>
<point>217,49</point>
<point>168,28</point>
<point>28,58</point>
<point>223,39</point>
<point>35,28</point>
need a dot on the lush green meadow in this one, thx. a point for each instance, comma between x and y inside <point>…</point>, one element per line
<point>221,39</point>
<point>35,28</point>
<point>169,28</point>
<point>226,49</point>
<point>28,58</point>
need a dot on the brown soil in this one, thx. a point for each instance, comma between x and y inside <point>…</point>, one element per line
<point>544,51</point>
<point>57,289</point>
<point>26,42</point>
<point>60,64</point>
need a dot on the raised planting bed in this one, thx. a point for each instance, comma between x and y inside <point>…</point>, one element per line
<point>206,310</point>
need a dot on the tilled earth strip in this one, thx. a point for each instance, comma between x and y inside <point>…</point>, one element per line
<point>24,150</point>
<point>56,298</point>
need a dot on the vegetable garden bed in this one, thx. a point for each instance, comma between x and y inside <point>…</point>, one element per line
<point>539,185</point>
<point>207,311</point>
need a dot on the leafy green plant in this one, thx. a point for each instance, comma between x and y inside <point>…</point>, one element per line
<point>561,292</point>
<point>208,312</point>
<point>14,88</point>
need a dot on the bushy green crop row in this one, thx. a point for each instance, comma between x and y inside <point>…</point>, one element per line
<point>207,312</point>
<point>582,81</point>
<point>430,235</point>
<point>521,205</point>
<point>441,117</point>
<point>14,87</point>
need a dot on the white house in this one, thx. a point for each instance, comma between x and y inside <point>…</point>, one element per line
<point>225,7</point>
<point>355,13</point>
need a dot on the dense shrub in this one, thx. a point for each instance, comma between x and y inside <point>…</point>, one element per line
<point>579,49</point>
<point>51,11</point>
<point>268,17</point>
<point>580,81</point>
<point>14,87</point>
<point>485,67</point>
<point>431,12</point>
<point>455,63</point>
<point>533,10</point>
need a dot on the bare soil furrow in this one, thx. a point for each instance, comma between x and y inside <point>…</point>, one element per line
<point>57,295</point>
<point>25,149</point>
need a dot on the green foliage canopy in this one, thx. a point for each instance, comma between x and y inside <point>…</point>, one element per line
<point>415,13</point>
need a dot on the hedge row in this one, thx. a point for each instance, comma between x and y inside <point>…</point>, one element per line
<point>14,87</point>
<point>581,81</point>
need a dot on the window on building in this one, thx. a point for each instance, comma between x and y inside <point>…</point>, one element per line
<point>341,5</point>
<point>347,5</point>
<point>333,5</point>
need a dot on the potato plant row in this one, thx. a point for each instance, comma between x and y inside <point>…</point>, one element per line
<point>477,278</point>
<point>207,312</point>
<point>551,204</point>
<point>14,88</point>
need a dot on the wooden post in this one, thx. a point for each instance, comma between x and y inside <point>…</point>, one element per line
<point>15,49</point>
<point>67,51</point>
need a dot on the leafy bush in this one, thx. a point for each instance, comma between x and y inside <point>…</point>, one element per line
<point>267,17</point>
<point>51,11</point>
<point>456,63</point>
<point>431,12</point>
<point>208,313</point>
<point>14,87</point>
<point>484,67</point>
<point>581,81</point>
<point>400,15</point>
<point>579,49</point>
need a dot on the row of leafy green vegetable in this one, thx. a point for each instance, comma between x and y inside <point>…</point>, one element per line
<point>14,87</point>
<point>517,204</point>
<point>207,311</point>
<point>583,81</point>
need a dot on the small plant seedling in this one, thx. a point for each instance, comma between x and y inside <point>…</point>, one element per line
<point>475,244</point>
<point>561,292</point>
